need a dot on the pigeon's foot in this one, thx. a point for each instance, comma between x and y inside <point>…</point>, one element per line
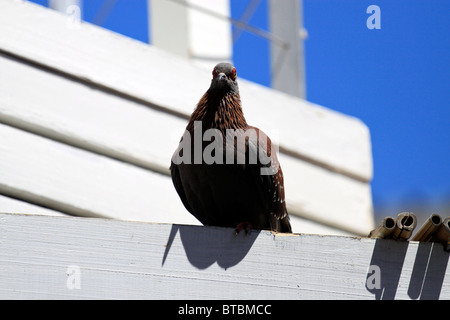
<point>247,226</point>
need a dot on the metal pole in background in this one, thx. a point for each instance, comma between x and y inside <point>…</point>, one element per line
<point>287,62</point>
<point>193,29</point>
<point>64,6</point>
<point>71,8</point>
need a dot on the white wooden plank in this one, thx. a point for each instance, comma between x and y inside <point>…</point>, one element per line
<point>130,260</point>
<point>71,180</point>
<point>328,198</point>
<point>14,206</point>
<point>10,205</point>
<point>311,226</point>
<point>125,130</point>
<point>97,55</point>
<point>191,33</point>
<point>79,115</point>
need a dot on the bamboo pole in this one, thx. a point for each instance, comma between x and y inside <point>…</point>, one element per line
<point>384,229</point>
<point>443,234</point>
<point>404,226</point>
<point>427,230</point>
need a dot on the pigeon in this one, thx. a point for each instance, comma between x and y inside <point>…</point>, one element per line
<point>225,171</point>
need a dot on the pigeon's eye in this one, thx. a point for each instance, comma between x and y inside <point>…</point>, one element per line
<point>233,74</point>
<point>214,73</point>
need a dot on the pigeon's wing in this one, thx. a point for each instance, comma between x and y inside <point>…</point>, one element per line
<point>267,171</point>
<point>175,173</point>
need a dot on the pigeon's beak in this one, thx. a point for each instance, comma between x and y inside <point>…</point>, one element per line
<point>221,77</point>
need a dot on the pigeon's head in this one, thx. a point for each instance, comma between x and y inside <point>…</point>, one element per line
<point>224,78</point>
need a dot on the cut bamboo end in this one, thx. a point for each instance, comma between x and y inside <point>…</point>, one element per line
<point>431,225</point>
<point>404,226</point>
<point>384,229</point>
<point>443,234</point>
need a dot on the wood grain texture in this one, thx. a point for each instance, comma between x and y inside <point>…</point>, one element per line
<point>132,260</point>
<point>133,69</point>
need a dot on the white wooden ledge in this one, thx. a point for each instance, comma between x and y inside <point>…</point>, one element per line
<point>51,257</point>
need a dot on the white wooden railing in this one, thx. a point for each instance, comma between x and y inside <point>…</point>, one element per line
<point>43,257</point>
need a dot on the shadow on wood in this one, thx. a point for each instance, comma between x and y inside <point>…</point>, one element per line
<point>137,260</point>
<point>388,256</point>
<point>213,244</point>
<point>427,274</point>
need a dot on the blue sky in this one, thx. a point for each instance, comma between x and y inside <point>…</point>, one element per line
<point>395,79</point>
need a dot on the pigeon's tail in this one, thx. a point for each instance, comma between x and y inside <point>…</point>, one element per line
<point>281,225</point>
<point>285,225</point>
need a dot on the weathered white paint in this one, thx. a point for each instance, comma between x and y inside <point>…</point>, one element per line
<point>146,73</point>
<point>105,124</point>
<point>43,257</point>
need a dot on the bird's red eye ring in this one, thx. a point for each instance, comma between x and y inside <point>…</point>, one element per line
<point>214,73</point>
<point>233,74</point>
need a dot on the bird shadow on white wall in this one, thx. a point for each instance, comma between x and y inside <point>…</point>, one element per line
<point>212,244</point>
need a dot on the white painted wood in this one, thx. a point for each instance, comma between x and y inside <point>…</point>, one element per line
<point>184,28</point>
<point>287,62</point>
<point>78,182</point>
<point>305,130</point>
<point>63,5</point>
<point>172,18</point>
<point>327,198</point>
<point>10,205</point>
<point>77,258</point>
<point>128,131</point>
<point>302,225</point>
<point>78,115</point>
<point>14,206</point>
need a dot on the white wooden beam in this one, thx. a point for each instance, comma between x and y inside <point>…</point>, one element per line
<point>11,205</point>
<point>78,182</point>
<point>43,257</point>
<point>186,28</point>
<point>287,62</point>
<point>71,8</point>
<point>64,6</point>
